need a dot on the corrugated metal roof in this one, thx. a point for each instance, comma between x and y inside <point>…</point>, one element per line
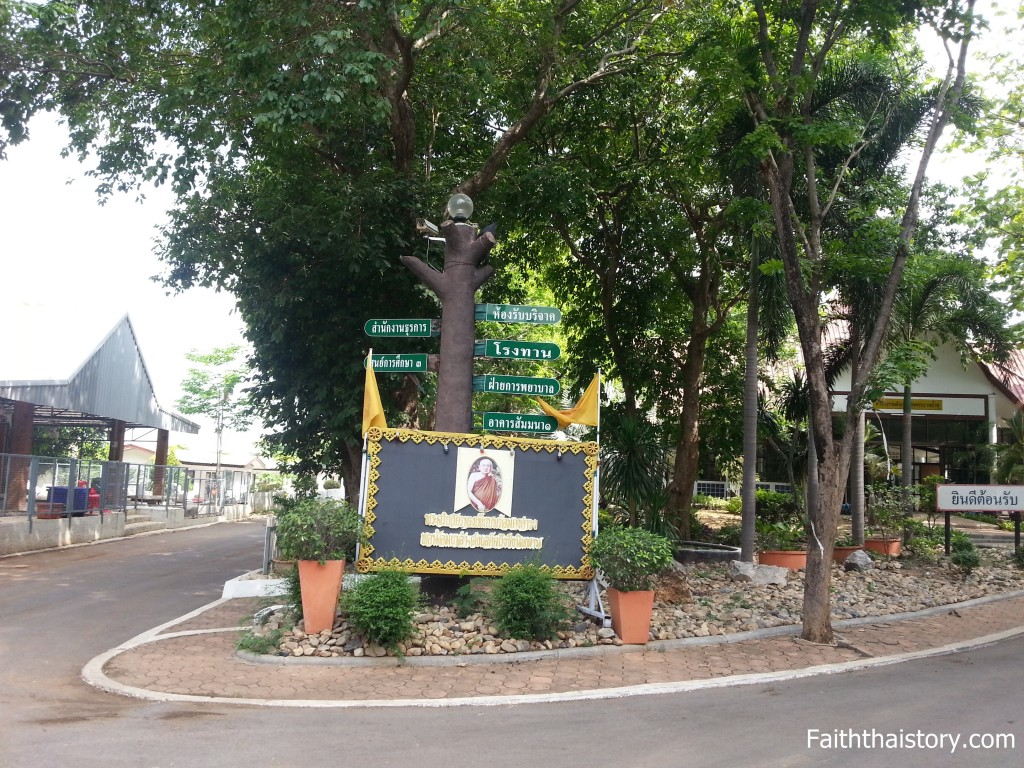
<point>78,365</point>
<point>1008,376</point>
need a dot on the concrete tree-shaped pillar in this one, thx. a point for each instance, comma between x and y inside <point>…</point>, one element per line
<point>465,270</point>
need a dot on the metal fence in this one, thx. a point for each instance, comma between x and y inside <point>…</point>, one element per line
<point>210,492</point>
<point>43,486</point>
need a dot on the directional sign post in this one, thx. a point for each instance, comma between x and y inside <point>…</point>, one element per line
<point>517,385</point>
<point>515,313</point>
<point>399,363</point>
<point>405,328</point>
<point>518,422</point>
<point>517,350</point>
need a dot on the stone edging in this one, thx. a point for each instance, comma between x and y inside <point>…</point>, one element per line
<point>456,660</point>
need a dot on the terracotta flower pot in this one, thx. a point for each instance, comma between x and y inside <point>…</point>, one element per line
<point>794,559</point>
<point>631,615</point>
<point>887,547</point>
<point>320,586</point>
<point>839,554</point>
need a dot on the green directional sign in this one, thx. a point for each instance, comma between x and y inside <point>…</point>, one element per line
<point>405,328</point>
<point>518,422</point>
<point>516,385</point>
<point>399,363</point>
<point>517,350</point>
<point>515,313</point>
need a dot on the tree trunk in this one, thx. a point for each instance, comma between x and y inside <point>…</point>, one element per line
<point>857,483</point>
<point>907,451</point>
<point>687,460</point>
<point>456,288</point>
<point>749,490</point>
<point>351,473</point>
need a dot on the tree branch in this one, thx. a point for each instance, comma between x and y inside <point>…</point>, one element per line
<point>429,276</point>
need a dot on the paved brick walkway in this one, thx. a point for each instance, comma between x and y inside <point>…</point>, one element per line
<point>205,664</point>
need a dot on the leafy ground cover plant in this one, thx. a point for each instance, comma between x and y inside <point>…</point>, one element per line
<point>470,598</point>
<point>527,604</point>
<point>381,607</point>
<point>780,536</point>
<point>963,553</point>
<point>255,642</point>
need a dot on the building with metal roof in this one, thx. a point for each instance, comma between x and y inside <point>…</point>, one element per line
<point>85,373</point>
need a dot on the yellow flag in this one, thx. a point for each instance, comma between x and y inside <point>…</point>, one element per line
<point>584,412</point>
<point>373,411</point>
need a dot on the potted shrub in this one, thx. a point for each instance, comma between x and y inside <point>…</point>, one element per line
<point>630,558</point>
<point>885,521</point>
<point>782,544</point>
<point>320,534</point>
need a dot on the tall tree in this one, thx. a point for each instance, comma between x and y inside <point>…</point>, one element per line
<point>628,188</point>
<point>808,150</point>
<point>213,388</point>
<point>303,140</point>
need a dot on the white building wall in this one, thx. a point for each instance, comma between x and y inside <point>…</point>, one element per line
<point>947,389</point>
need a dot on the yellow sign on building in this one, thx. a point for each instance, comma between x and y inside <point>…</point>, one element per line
<point>916,404</point>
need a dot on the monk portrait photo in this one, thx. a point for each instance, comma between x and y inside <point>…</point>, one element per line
<point>484,485</point>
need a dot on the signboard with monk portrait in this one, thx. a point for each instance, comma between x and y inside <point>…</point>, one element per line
<point>477,504</point>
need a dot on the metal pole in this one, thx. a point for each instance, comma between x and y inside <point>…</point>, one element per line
<point>948,526</point>
<point>1016,531</point>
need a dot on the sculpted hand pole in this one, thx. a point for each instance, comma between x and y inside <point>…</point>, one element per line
<point>465,270</point>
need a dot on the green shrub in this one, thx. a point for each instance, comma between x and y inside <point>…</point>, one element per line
<point>780,536</point>
<point>960,542</point>
<point>606,519</point>
<point>381,607</point>
<point>734,506</point>
<point>775,507</point>
<point>962,552</point>
<point>630,558</point>
<point>319,529</point>
<point>917,530</point>
<point>704,501</point>
<point>965,559</point>
<point>526,603</point>
<point>730,535</point>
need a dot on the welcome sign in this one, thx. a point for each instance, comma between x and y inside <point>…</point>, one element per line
<point>477,505</point>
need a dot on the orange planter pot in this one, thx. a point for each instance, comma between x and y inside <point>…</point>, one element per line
<point>631,615</point>
<point>839,554</point>
<point>320,586</point>
<point>795,559</point>
<point>889,548</point>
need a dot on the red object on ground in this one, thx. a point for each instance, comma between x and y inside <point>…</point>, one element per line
<point>94,499</point>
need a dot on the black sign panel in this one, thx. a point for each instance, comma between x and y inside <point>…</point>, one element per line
<point>478,504</point>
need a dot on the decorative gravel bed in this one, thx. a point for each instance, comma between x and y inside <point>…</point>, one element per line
<point>693,601</point>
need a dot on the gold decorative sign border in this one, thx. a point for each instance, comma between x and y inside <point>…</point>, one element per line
<point>375,436</point>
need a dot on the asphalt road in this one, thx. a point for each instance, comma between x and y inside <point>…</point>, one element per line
<point>59,609</point>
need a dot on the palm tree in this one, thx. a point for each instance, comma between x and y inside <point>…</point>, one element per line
<point>1010,456</point>
<point>632,463</point>
<point>948,303</point>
